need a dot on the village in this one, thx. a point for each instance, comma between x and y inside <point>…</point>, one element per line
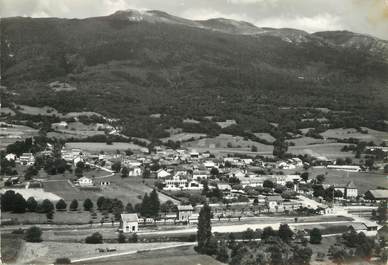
<point>148,195</point>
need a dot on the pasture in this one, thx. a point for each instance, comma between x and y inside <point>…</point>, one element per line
<point>38,194</point>
<point>182,137</point>
<point>376,136</point>
<point>363,180</point>
<point>12,133</point>
<point>97,147</point>
<point>47,252</point>
<point>328,150</point>
<point>172,256</point>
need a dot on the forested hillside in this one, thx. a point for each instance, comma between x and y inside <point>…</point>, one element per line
<point>130,65</point>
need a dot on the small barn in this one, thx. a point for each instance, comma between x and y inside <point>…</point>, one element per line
<point>129,223</point>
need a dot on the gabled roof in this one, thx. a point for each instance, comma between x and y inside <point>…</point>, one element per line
<point>185,208</point>
<point>351,185</point>
<point>129,217</point>
<point>379,194</point>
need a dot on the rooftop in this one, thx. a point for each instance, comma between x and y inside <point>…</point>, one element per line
<point>129,217</point>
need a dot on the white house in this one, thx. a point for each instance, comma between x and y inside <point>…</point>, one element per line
<point>135,172</point>
<point>129,223</point>
<point>10,157</point>
<point>184,212</point>
<point>348,191</point>
<point>85,182</point>
<point>27,159</point>
<point>200,174</point>
<point>161,173</point>
<point>209,164</point>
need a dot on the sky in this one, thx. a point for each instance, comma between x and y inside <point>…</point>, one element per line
<point>362,16</point>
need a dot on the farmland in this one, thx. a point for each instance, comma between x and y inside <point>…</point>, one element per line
<point>97,147</point>
<point>363,180</point>
<point>173,256</point>
<point>47,252</point>
<point>181,137</point>
<point>11,133</point>
<point>372,135</point>
<point>328,150</point>
<point>38,194</point>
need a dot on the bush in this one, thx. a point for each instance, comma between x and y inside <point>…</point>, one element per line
<point>315,236</point>
<point>33,234</point>
<point>62,261</point>
<point>121,238</point>
<point>96,238</point>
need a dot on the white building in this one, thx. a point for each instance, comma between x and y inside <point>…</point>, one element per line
<point>85,182</point>
<point>27,159</point>
<point>129,223</point>
<point>135,172</point>
<point>161,173</point>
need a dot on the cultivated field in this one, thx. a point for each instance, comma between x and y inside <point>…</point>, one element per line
<point>47,252</point>
<point>9,135</point>
<point>181,137</point>
<point>38,194</point>
<point>363,180</point>
<point>265,136</point>
<point>226,141</point>
<point>329,150</point>
<point>173,256</point>
<point>97,147</point>
<point>376,136</point>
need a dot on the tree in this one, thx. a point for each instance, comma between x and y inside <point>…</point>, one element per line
<point>301,256</point>
<point>32,204</point>
<point>46,206</point>
<point>116,166</point>
<point>78,172</point>
<point>61,205</point>
<point>95,238</point>
<point>320,178</point>
<point>315,236</point>
<point>254,148</point>
<point>285,233</point>
<point>7,201</point>
<point>154,204</point>
<point>124,172</point>
<point>305,176</point>
<point>73,205</point>
<point>88,204</point>
<point>382,212</point>
<point>100,201</point>
<point>129,208</point>
<point>248,234</point>
<point>214,171</point>
<point>33,234</point>
<point>280,147</point>
<point>121,238</point>
<point>19,204</point>
<point>204,232</point>
<point>222,252</point>
<point>145,206</point>
<point>268,184</point>
<point>267,233</point>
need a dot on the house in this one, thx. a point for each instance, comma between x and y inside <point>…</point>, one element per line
<point>376,195</point>
<point>135,172</point>
<point>184,212</point>
<point>224,186</point>
<point>348,191</point>
<point>85,182</point>
<point>129,223</point>
<point>161,173</point>
<point>200,174</point>
<point>27,159</point>
<point>274,202</point>
<point>209,164</point>
<point>10,157</point>
<point>78,159</point>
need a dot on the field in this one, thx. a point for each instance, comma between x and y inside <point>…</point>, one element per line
<point>10,247</point>
<point>173,256</point>
<point>363,180</point>
<point>47,252</point>
<point>265,136</point>
<point>38,194</point>
<point>97,147</point>
<point>181,137</point>
<point>376,136</point>
<point>329,150</point>
<point>308,141</point>
<point>227,143</point>
<point>9,135</point>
